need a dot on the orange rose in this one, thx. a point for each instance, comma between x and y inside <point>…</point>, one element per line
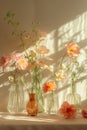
<point>49,86</point>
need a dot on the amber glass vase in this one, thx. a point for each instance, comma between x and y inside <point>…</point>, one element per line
<point>32,105</point>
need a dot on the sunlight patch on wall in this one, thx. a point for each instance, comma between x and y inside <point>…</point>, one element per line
<point>75,30</point>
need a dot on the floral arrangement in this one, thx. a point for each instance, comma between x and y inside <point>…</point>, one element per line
<point>32,62</point>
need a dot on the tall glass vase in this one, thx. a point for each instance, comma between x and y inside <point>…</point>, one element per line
<point>17,99</point>
<point>51,103</point>
<point>74,98</point>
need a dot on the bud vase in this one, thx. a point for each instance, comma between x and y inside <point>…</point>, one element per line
<point>51,103</point>
<point>17,99</point>
<point>32,105</point>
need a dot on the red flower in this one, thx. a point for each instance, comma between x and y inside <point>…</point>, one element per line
<point>84,113</point>
<point>68,110</point>
<point>49,86</point>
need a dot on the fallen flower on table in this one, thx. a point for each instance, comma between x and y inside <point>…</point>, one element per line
<point>84,113</point>
<point>68,110</point>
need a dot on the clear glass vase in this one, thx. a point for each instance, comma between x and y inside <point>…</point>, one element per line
<point>74,98</point>
<point>51,103</point>
<point>17,100</point>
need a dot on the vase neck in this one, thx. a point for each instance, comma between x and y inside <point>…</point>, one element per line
<point>32,96</point>
<point>73,87</point>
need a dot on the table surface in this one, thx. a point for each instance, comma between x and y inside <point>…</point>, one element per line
<point>41,122</point>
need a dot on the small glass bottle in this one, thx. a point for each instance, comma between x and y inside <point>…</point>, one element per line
<point>51,103</point>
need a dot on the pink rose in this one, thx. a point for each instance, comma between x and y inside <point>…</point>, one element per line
<point>21,63</point>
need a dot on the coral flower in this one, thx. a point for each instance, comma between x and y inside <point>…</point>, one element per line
<point>72,49</point>
<point>21,63</point>
<point>42,50</point>
<point>4,61</point>
<point>68,110</point>
<point>49,86</point>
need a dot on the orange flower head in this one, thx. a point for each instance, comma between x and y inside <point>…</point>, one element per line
<point>49,86</point>
<point>68,110</point>
<point>72,49</point>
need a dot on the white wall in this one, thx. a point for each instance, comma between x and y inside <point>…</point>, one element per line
<point>63,20</point>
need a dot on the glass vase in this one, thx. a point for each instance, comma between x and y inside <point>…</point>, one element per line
<point>51,103</point>
<point>32,105</point>
<point>17,99</point>
<point>74,98</point>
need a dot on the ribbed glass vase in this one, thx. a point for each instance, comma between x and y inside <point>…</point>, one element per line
<point>17,99</point>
